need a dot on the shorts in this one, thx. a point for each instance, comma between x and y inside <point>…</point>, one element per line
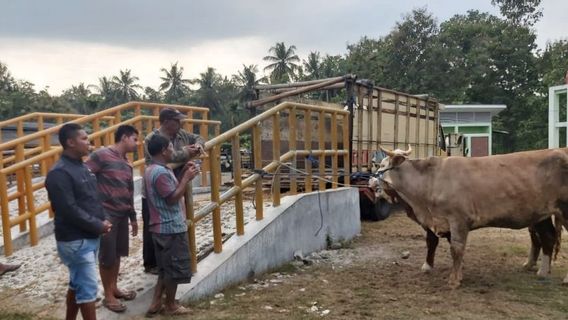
<point>172,256</point>
<point>114,244</point>
<point>80,257</point>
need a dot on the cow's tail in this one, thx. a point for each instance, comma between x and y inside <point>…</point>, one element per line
<point>558,223</point>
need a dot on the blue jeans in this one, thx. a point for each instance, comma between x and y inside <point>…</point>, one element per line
<point>80,257</point>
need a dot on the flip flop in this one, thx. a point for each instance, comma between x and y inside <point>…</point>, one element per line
<point>180,310</point>
<point>126,295</point>
<point>153,313</point>
<point>115,307</point>
<point>9,268</point>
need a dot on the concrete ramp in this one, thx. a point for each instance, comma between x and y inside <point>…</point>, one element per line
<point>299,223</point>
<point>304,222</point>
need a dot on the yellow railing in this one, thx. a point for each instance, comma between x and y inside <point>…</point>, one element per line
<point>296,112</point>
<point>301,131</point>
<point>94,121</point>
<point>23,168</point>
<point>41,120</point>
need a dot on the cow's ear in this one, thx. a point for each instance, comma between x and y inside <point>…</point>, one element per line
<point>397,160</point>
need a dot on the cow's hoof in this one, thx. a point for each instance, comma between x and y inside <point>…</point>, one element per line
<point>529,266</point>
<point>454,284</point>
<point>426,268</point>
<point>542,273</point>
<point>455,281</point>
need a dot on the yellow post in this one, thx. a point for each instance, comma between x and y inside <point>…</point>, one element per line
<point>215,197</point>
<point>276,157</point>
<point>191,227</point>
<point>308,147</point>
<point>117,117</point>
<point>97,128</point>
<point>334,158</point>
<point>189,125</point>
<point>20,186</point>
<point>321,140</point>
<point>258,166</point>
<point>346,167</point>
<point>6,231</point>
<point>238,182</point>
<point>292,147</point>
<point>20,129</point>
<point>206,168</point>
<point>31,206</point>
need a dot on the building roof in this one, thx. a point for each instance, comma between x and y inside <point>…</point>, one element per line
<point>493,108</point>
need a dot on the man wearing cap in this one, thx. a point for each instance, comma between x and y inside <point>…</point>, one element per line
<point>186,146</point>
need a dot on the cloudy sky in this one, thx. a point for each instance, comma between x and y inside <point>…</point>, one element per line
<point>59,43</point>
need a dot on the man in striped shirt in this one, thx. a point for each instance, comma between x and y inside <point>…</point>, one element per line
<point>167,224</point>
<point>186,146</point>
<point>116,190</point>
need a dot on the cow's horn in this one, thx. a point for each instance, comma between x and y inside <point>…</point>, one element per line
<point>407,152</point>
<point>386,151</point>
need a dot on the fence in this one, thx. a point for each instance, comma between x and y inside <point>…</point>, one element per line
<point>103,125</point>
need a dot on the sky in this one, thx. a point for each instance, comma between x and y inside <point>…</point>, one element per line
<point>59,43</point>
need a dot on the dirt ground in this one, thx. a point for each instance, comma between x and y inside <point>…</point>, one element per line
<point>377,276</point>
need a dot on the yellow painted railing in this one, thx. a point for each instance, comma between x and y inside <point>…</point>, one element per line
<point>296,113</point>
<point>300,124</point>
<point>103,124</point>
<point>39,121</point>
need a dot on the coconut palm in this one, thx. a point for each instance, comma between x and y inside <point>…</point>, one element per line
<point>313,65</point>
<point>283,61</point>
<point>106,91</point>
<point>208,93</point>
<point>126,86</point>
<point>174,85</point>
<point>247,80</point>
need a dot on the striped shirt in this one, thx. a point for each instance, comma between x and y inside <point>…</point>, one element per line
<point>160,183</point>
<point>182,139</point>
<point>114,182</point>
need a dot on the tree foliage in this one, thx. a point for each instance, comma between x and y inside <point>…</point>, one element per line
<point>175,87</point>
<point>469,58</point>
<point>283,63</point>
<point>520,12</point>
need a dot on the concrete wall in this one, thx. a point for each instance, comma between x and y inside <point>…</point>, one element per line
<point>272,241</point>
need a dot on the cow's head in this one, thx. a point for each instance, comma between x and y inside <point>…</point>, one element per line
<point>393,159</point>
<point>382,187</point>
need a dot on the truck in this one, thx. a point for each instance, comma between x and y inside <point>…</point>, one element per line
<point>378,117</point>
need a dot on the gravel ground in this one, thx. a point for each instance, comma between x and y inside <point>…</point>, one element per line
<point>41,282</point>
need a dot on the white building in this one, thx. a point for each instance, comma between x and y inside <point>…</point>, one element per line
<point>474,123</point>
<point>558,116</point>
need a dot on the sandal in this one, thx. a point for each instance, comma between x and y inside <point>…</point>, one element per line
<point>180,310</point>
<point>126,295</point>
<point>115,307</point>
<point>8,268</point>
<point>153,313</point>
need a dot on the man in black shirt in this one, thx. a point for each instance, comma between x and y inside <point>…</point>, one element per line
<point>79,220</point>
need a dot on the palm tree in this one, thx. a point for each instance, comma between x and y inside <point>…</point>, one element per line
<point>126,86</point>
<point>282,62</point>
<point>79,99</point>
<point>313,65</point>
<point>208,93</point>
<point>107,92</point>
<point>247,80</point>
<point>176,87</point>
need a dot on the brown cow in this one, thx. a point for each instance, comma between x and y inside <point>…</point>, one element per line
<point>452,196</point>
